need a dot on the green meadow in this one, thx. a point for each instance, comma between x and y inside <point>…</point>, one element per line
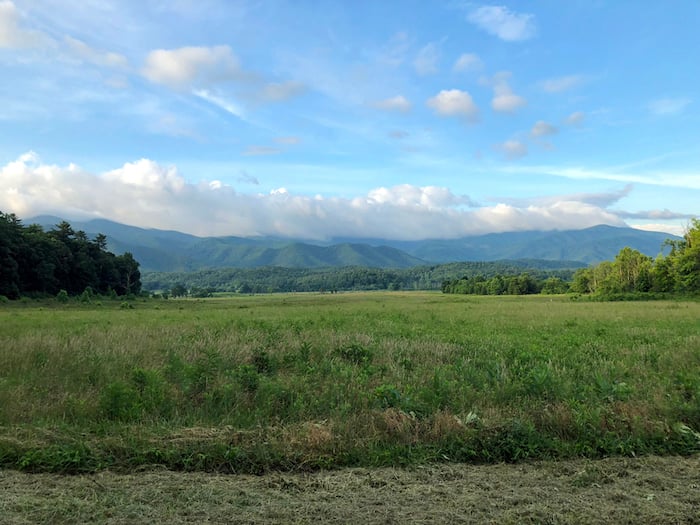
<point>296,382</point>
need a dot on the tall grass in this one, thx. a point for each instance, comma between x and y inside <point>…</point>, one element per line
<point>308,381</point>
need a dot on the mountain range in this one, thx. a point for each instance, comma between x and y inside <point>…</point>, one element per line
<point>164,251</point>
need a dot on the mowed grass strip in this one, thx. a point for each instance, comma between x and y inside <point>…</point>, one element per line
<point>308,381</point>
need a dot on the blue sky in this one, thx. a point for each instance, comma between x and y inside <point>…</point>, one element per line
<point>315,119</point>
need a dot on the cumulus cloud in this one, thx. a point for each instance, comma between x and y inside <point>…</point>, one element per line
<point>561,84</point>
<point>513,149</point>
<point>504,100</point>
<point>467,62</point>
<point>426,62</point>
<point>543,129</point>
<point>454,103</point>
<point>191,67</point>
<point>13,35</point>
<point>147,194</point>
<point>575,119</point>
<point>397,103</point>
<point>504,23</point>
<point>668,106</point>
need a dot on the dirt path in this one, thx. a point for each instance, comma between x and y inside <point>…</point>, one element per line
<point>645,490</point>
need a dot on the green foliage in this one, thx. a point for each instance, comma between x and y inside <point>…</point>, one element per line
<point>62,296</point>
<point>632,273</point>
<point>356,353</point>
<point>278,279</point>
<point>33,261</point>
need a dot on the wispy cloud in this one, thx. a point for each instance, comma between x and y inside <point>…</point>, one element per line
<point>504,23</point>
<point>426,62</point>
<point>88,54</point>
<point>468,62</point>
<point>221,102</point>
<point>669,106</point>
<point>543,129</point>
<point>561,84</point>
<point>664,214</point>
<point>687,180</point>
<point>247,178</point>
<point>397,103</point>
<point>281,91</point>
<point>575,119</point>
<point>600,199</point>
<point>513,149</point>
<point>254,151</point>
<point>13,35</point>
<point>191,67</point>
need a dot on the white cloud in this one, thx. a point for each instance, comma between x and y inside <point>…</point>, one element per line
<point>191,67</point>
<point>454,103</point>
<point>668,106</point>
<point>397,103</point>
<point>467,62</point>
<point>513,149</point>
<point>503,23</point>
<point>561,84</point>
<point>673,229</point>
<point>426,62</point>
<point>658,215</point>
<point>543,129</point>
<point>676,179</point>
<point>12,35</point>
<point>146,194</point>
<point>81,50</point>
<point>504,100</point>
<point>575,119</point>
<point>226,105</point>
<point>430,197</point>
<point>601,200</point>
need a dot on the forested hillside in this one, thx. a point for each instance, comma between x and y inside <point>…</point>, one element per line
<point>276,279</point>
<point>38,262</point>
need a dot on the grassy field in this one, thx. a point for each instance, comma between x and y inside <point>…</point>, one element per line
<point>308,381</point>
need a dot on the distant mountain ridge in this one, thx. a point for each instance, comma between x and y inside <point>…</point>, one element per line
<point>165,251</point>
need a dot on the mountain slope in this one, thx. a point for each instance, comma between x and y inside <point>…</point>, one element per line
<point>159,250</point>
<point>590,245</point>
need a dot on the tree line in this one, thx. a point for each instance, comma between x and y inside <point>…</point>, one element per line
<point>522,284</point>
<point>37,262</point>
<point>278,279</point>
<point>631,272</point>
<point>634,272</point>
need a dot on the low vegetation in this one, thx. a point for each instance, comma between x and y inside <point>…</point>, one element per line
<point>309,381</point>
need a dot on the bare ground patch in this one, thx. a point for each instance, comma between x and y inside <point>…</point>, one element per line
<point>616,490</point>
